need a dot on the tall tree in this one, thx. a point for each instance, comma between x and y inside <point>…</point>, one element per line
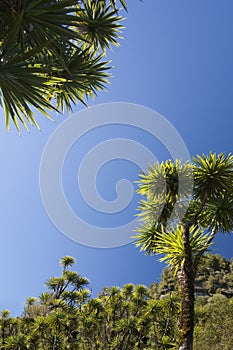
<point>51,54</point>
<point>184,239</point>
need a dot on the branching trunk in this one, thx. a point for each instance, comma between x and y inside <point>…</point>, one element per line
<point>186,278</point>
<point>206,246</point>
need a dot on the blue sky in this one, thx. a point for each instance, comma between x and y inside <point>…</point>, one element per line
<point>176,58</point>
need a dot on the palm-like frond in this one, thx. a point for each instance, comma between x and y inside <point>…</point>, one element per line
<point>85,75</point>
<point>171,245</point>
<point>23,86</point>
<point>218,213</point>
<point>123,3</point>
<point>67,261</point>
<point>152,183</point>
<point>113,3</point>
<point>40,324</point>
<point>99,25</point>
<point>42,55</point>
<point>173,178</point>
<point>30,24</point>
<point>145,238</point>
<point>163,186</point>
<point>212,174</point>
<point>18,341</point>
<point>155,211</point>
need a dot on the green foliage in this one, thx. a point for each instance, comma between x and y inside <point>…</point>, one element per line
<point>166,188</point>
<point>213,178</point>
<point>64,317</point>
<point>162,187</point>
<point>51,54</point>
<point>99,25</point>
<point>128,318</point>
<point>214,321</point>
<point>171,245</point>
<point>182,209</point>
<point>214,275</point>
<point>212,174</point>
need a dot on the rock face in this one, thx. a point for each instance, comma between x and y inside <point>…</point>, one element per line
<point>227,292</point>
<point>215,275</point>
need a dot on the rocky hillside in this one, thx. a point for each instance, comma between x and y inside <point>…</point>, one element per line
<point>214,276</point>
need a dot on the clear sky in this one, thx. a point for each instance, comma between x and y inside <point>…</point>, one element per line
<point>176,58</point>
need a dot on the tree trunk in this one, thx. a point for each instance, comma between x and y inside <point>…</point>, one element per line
<point>186,278</point>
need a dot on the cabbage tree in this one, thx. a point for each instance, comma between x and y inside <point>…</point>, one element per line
<point>181,226</point>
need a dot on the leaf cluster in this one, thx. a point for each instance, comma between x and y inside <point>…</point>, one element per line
<point>118,318</point>
<point>51,54</point>
<point>185,204</point>
<point>131,317</point>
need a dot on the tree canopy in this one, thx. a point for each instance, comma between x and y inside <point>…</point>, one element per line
<point>52,54</point>
<point>181,224</point>
<point>130,317</point>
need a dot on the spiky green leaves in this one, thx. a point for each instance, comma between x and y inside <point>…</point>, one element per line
<point>100,25</point>
<point>113,3</point>
<point>182,242</point>
<point>171,245</point>
<point>48,62</point>
<point>67,261</point>
<point>210,208</point>
<point>213,174</point>
<point>166,187</point>
<point>218,212</point>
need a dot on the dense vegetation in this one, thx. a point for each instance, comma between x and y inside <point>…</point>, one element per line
<point>130,317</point>
<point>52,57</point>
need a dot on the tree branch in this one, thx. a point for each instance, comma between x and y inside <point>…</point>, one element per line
<point>205,247</point>
<point>193,219</point>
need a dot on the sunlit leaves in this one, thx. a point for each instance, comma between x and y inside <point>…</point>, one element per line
<point>48,62</point>
<point>100,25</point>
<point>210,207</point>
<point>171,245</point>
<point>114,4</point>
<point>165,187</point>
<point>67,261</point>
<point>145,238</point>
<point>131,317</point>
<point>84,76</point>
<point>213,174</point>
<point>171,178</point>
<point>18,341</point>
<point>218,213</point>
